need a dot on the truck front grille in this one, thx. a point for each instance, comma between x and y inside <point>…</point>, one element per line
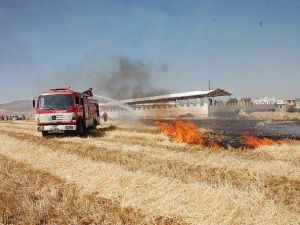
<point>55,118</point>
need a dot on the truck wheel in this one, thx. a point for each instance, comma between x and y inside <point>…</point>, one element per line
<point>45,133</point>
<point>81,129</point>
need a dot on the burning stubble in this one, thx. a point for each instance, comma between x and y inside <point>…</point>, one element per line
<point>182,131</point>
<point>253,142</point>
<point>188,132</point>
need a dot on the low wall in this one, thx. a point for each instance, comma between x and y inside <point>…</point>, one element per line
<point>201,111</point>
<point>234,109</point>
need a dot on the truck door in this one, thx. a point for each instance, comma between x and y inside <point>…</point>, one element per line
<point>86,108</point>
<point>79,105</point>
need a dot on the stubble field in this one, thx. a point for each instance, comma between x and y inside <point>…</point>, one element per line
<point>136,175</point>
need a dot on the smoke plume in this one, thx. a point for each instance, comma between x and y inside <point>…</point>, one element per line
<point>131,79</point>
<point>117,79</point>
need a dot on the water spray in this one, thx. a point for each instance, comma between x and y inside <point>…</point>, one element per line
<point>132,114</point>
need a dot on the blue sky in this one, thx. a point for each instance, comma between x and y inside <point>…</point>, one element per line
<point>250,48</point>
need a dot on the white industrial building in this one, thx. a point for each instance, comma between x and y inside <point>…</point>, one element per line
<point>195,103</point>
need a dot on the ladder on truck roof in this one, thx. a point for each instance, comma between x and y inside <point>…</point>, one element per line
<point>87,93</point>
<point>60,89</point>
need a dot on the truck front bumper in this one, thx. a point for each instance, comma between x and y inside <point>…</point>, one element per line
<point>56,128</point>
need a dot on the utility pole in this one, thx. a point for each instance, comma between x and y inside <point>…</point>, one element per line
<point>119,108</point>
<point>208,98</point>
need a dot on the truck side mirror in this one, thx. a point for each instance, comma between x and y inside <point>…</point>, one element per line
<point>33,103</point>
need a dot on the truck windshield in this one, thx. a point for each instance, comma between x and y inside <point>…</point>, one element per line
<point>55,101</point>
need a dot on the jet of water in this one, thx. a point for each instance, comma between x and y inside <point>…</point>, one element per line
<point>115,102</point>
<point>121,105</point>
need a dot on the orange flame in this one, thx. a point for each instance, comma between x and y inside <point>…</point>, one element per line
<point>182,131</point>
<point>253,142</point>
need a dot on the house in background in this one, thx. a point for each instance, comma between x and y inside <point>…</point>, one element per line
<point>297,105</point>
<point>281,104</point>
<point>265,100</point>
<point>291,102</point>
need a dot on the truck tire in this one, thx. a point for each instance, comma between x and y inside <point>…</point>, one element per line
<point>45,133</point>
<point>81,129</point>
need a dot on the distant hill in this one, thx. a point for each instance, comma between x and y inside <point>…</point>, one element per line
<point>19,106</point>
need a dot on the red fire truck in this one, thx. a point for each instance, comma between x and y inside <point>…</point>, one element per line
<point>64,110</point>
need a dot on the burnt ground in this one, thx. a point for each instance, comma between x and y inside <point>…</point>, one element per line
<point>227,132</point>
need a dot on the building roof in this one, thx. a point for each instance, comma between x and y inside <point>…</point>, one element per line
<point>172,97</point>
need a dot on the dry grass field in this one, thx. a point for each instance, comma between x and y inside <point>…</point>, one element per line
<point>124,174</point>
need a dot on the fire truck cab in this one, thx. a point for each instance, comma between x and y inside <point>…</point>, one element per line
<point>64,110</point>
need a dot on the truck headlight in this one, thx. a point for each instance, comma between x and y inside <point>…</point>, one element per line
<point>40,128</point>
